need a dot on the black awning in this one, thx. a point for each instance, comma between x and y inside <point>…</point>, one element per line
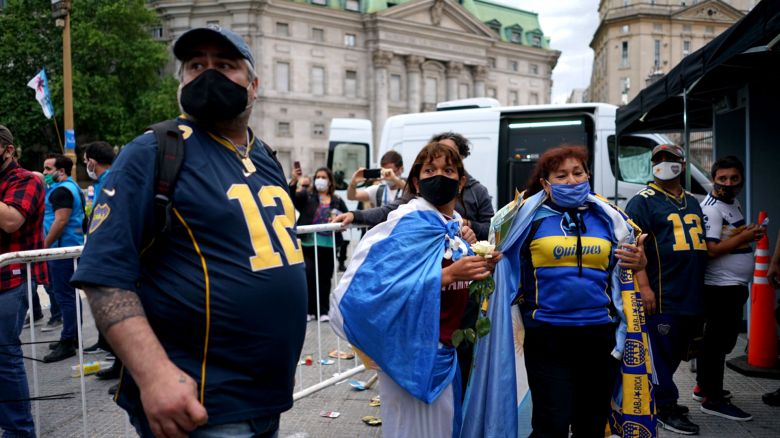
<point>723,64</point>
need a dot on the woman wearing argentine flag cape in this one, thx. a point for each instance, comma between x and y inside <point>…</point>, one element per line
<point>403,295</point>
<point>563,314</point>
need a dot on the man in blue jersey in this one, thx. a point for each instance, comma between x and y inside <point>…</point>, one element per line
<point>208,316</point>
<point>671,285</point>
<point>62,226</point>
<point>729,270</point>
<point>98,158</point>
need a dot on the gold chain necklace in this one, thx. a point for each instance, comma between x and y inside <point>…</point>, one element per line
<point>249,166</point>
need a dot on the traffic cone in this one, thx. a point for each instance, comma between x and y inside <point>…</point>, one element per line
<point>762,345</point>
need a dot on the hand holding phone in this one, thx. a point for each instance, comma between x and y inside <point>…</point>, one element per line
<point>372,173</point>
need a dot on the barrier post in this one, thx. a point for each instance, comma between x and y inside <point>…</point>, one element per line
<point>762,345</point>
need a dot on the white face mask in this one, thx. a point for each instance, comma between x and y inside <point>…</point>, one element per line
<point>321,184</point>
<point>91,173</point>
<point>667,170</point>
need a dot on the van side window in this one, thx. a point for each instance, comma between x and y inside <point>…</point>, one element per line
<point>634,160</point>
<point>634,164</point>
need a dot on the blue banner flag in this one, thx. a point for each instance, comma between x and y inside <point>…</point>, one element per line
<point>40,84</point>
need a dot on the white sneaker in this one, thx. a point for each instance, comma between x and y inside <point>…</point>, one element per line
<point>324,318</point>
<point>309,318</point>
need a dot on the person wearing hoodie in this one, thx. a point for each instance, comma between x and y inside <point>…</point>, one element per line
<point>475,204</point>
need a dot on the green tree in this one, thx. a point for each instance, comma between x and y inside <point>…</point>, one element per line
<point>118,84</point>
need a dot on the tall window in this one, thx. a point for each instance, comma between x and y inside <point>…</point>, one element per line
<point>283,29</point>
<point>317,81</point>
<point>350,39</point>
<point>533,69</point>
<point>318,34</point>
<point>624,54</point>
<point>533,99</point>
<point>492,62</point>
<point>514,98</point>
<point>350,83</point>
<point>431,90</point>
<point>625,86</point>
<point>395,88</point>
<point>516,36</point>
<point>491,92</point>
<point>352,5</point>
<point>514,66</point>
<point>282,77</point>
<point>686,50</point>
<point>536,40</point>
<point>657,53</point>
<point>283,129</point>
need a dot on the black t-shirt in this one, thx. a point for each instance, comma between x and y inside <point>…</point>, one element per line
<point>61,197</point>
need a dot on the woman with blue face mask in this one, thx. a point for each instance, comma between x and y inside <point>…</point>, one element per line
<point>569,307</point>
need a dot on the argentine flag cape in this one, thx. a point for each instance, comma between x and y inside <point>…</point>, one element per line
<point>498,402</point>
<point>388,301</point>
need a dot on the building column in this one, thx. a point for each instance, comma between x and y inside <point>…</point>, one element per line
<point>414,82</point>
<point>381,60</point>
<point>453,74</point>
<point>479,73</point>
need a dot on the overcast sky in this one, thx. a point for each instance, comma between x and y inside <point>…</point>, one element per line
<point>570,24</point>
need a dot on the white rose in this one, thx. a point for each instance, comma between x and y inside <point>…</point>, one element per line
<point>483,248</point>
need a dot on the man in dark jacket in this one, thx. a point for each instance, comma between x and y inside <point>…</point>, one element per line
<point>475,205</point>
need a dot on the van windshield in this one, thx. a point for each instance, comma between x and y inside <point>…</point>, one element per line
<point>344,159</point>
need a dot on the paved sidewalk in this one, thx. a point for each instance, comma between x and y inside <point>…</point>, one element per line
<point>62,418</point>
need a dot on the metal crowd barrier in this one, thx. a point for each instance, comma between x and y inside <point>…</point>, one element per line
<point>29,257</point>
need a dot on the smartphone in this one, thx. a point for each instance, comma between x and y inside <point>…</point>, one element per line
<point>372,173</point>
<point>297,164</point>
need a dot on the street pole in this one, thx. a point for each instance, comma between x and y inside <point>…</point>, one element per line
<point>60,10</point>
<point>67,87</point>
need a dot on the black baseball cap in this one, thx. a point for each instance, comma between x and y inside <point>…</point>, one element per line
<point>673,149</point>
<point>6,137</point>
<point>188,40</point>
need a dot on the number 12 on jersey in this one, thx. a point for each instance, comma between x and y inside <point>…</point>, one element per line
<point>265,257</point>
<point>695,231</point>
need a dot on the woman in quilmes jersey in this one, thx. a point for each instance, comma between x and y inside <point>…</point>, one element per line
<point>569,309</point>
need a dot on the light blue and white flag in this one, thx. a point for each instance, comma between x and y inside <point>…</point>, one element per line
<point>498,403</point>
<point>387,304</point>
<point>40,84</point>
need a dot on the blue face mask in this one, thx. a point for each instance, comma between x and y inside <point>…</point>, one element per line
<point>570,195</point>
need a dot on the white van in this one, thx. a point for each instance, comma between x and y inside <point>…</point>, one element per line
<point>506,142</point>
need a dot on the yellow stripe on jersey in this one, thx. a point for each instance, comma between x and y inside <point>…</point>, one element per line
<point>208,306</point>
<point>557,251</point>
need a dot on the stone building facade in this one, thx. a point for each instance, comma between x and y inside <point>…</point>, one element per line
<point>639,40</point>
<point>371,59</point>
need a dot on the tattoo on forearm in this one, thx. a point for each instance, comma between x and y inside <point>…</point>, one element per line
<point>111,305</point>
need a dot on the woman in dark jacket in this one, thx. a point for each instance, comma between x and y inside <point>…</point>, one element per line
<point>318,205</point>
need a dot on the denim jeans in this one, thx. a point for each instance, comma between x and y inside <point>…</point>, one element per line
<point>265,427</point>
<point>60,272</point>
<point>15,417</point>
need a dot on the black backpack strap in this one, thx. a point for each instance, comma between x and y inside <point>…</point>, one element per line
<point>380,191</point>
<point>170,155</point>
<point>272,153</point>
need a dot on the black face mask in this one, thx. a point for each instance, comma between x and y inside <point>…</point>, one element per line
<point>439,190</point>
<point>727,193</point>
<point>212,97</point>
